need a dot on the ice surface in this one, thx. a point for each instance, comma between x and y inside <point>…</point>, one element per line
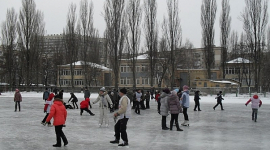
<point>209,129</point>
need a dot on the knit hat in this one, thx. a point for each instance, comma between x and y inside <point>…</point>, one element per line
<point>176,90</point>
<point>102,89</point>
<point>255,96</point>
<point>166,90</point>
<point>123,90</point>
<point>57,96</point>
<point>17,90</point>
<point>185,87</point>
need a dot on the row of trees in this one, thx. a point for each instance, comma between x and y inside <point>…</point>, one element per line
<point>125,22</point>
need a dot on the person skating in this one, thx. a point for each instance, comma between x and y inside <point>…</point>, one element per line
<point>147,99</point>
<point>111,97</point>
<point>142,101</point>
<point>164,109</point>
<point>255,104</point>
<point>219,100</point>
<point>85,106</point>
<point>47,109</point>
<point>59,114</point>
<point>74,100</point>
<point>61,94</point>
<point>87,94</point>
<point>103,100</point>
<point>17,99</point>
<point>157,98</point>
<point>174,107</point>
<point>46,94</point>
<point>197,101</point>
<point>185,104</point>
<point>138,99</point>
<point>123,114</point>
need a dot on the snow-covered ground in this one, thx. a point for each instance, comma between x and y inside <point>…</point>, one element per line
<point>209,129</point>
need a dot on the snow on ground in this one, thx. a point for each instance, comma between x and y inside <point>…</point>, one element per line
<point>231,129</point>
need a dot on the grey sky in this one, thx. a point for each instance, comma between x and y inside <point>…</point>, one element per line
<point>55,12</point>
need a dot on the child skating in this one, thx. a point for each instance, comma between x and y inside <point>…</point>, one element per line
<point>219,100</point>
<point>47,109</point>
<point>85,106</point>
<point>255,104</point>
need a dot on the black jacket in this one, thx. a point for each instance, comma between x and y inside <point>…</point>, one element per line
<point>196,97</point>
<point>74,98</point>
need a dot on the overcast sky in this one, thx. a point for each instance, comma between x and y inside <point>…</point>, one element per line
<point>55,12</point>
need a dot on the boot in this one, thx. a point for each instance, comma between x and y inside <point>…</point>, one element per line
<point>115,141</point>
<point>56,145</point>
<point>177,126</point>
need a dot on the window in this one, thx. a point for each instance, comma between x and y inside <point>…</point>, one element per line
<point>145,81</point>
<point>200,83</point>
<point>65,82</point>
<point>78,82</point>
<point>144,68</point>
<point>78,72</point>
<point>137,68</point>
<point>205,84</point>
<point>125,69</point>
<point>65,72</point>
<point>138,81</point>
<point>128,80</point>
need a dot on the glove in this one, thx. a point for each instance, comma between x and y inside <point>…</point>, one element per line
<point>45,111</point>
<point>246,104</point>
<point>111,106</point>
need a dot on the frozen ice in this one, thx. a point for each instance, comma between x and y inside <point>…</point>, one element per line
<point>209,129</point>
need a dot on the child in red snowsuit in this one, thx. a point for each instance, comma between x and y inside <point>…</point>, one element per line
<point>85,106</point>
<point>47,109</point>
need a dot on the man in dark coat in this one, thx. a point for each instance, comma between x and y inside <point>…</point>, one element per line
<point>87,95</point>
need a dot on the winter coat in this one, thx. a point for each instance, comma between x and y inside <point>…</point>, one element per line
<point>103,100</point>
<point>124,107</point>
<point>73,97</point>
<point>48,103</point>
<point>164,104</point>
<point>255,102</point>
<point>61,94</point>
<point>85,103</point>
<point>58,112</point>
<point>87,94</point>
<point>219,98</point>
<point>138,96</point>
<point>147,97</point>
<point>130,95</point>
<point>17,97</point>
<point>185,99</point>
<point>46,95</point>
<point>174,104</point>
<point>157,96</point>
<point>196,97</point>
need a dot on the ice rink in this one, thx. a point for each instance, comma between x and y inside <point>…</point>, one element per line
<point>231,129</point>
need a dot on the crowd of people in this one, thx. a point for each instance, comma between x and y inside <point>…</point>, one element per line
<point>169,102</point>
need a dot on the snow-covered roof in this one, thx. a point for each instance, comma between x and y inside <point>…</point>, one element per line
<point>144,56</point>
<point>239,60</point>
<point>80,63</point>
<point>232,83</point>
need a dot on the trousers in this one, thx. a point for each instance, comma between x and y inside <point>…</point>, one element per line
<point>121,128</point>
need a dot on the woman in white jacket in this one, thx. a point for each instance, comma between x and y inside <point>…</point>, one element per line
<point>103,100</point>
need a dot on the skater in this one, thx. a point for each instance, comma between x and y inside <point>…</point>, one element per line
<point>17,99</point>
<point>164,109</point>
<point>137,103</point>
<point>152,90</point>
<point>142,101</point>
<point>157,94</point>
<point>219,100</point>
<point>61,94</point>
<point>47,109</point>
<point>147,99</point>
<point>111,97</point>
<point>59,114</point>
<point>174,107</point>
<point>85,106</point>
<point>185,104</point>
<point>46,94</point>
<point>256,103</point>
<point>87,95</point>
<point>123,114</point>
<point>103,100</point>
<point>74,100</point>
<point>196,100</point>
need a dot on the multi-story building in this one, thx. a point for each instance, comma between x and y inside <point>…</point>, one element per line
<point>98,74</point>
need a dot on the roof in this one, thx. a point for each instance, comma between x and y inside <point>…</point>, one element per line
<point>239,60</point>
<point>226,82</point>
<point>80,63</point>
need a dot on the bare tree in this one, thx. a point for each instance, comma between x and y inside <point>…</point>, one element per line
<point>233,45</point>
<point>71,41</point>
<point>255,19</point>
<point>225,27</point>
<point>115,33</point>
<point>9,44</point>
<point>173,34</point>
<point>208,17</point>
<point>151,35</point>
<point>30,31</point>
<point>134,13</point>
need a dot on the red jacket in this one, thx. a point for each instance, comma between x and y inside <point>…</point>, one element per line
<point>49,99</point>
<point>58,112</point>
<point>85,103</point>
<point>157,96</point>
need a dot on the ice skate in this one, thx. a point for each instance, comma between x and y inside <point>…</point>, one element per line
<point>123,144</point>
<point>115,141</point>
<point>183,123</point>
<point>186,123</point>
<point>50,125</point>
